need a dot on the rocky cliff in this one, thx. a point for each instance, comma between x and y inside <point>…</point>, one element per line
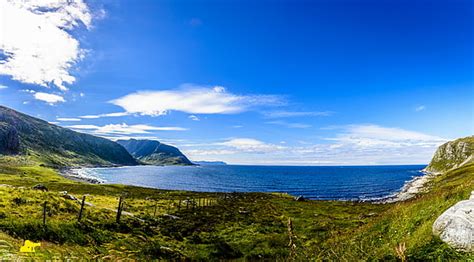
<point>154,152</point>
<point>452,155</point>
<point>55,145</point>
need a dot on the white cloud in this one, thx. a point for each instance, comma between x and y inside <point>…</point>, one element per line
<point>284,114</point>
<point>198,153</point>
<point>118,114</point>
<point>250,145</point>
<point>193,100</point>
<point>37,42</point>
<point>123,129</point>
<point>351,145</point>
<point>420,108</point>
<point>194,118</point>
<point>48,98</point>
<point>68,119</point>
<point>374,135</point>
<point>3,87</point>
<point>289,125</point>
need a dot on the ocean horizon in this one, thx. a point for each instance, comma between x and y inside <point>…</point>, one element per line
<point>354,183</point>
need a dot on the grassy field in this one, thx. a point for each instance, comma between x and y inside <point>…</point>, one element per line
<point>219,226</point>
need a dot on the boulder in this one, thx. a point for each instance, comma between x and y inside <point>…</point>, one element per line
<point>456,225</point>
<point>40,187</point>
<point>300,198</point>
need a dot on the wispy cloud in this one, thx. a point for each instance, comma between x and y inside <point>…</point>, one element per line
<point>3,87</point>
<point>193,100</point>
<point>378,136</point>
<point>284,114</point>
<point>287,124</point>
<point>420,108</point>
<point>352,145</point>
<point>117,114</point>
<point>250,145</point>
<point>51,99</point>
<point>123,129</point>
<point>68,119</point>
<point>194,118</point>
<point>36,40</point>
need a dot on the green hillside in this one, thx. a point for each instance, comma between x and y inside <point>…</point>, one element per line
<point>452,155</point>
<point>199,226</point>
<point>54,145</point>
<point>250,226</point>
<point>154,153</point>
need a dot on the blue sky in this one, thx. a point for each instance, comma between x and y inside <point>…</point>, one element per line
<point>248,82</point>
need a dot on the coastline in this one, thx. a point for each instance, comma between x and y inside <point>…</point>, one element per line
<point>75,174</point>
<point>411,188</point>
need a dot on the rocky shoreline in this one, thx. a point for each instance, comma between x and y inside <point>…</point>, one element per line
<point>75,174</point>
<point>412,188</point>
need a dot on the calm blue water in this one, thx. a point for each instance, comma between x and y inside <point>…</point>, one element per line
<point>314,182</point>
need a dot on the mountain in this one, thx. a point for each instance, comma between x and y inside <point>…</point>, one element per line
<point>54,145</point>
<point>210,163</point>
<point>451,155</point>
<point>154,153</point>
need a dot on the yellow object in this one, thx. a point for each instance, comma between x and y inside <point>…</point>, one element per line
<point>29,246</point>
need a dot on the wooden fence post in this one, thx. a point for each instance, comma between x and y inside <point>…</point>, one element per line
<point>82,209</point>
<point>179,204</point>
<point>119,210</point>
<point>44,213</point>
<point>156,206</point>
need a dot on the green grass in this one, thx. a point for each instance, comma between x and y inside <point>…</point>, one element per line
<point>247,226</point>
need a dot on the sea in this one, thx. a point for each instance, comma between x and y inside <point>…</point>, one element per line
<point>355,183</point>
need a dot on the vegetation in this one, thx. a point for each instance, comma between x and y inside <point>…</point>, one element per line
<point>452,155</point>
<point>56,146</point>
<point>154,153</point>
<point>38,204</point>
<point>224,226</point>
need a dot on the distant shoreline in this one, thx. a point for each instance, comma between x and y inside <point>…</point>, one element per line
<point>409,190</point>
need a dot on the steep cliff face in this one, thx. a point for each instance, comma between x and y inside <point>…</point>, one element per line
<point>55,145</point>
<point>155,153</point>
<point>452,155</point>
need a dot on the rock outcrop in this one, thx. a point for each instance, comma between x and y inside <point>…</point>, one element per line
<point>456,225</point>
<point>452,155</point>
<point>153,152</point>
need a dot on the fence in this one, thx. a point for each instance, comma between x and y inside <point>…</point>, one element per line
<point>154,208</point>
